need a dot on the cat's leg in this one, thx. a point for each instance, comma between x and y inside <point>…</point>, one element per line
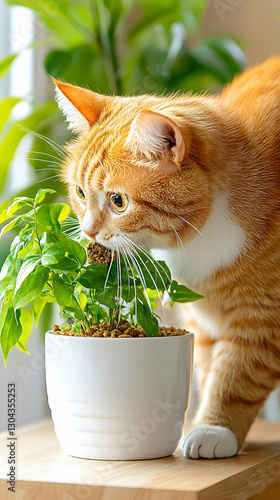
<point>244,370</point>
<point>203,352</point>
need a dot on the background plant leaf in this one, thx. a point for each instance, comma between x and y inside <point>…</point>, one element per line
<point>10,333</point>
<point>6,63</point>
<point>31,287</point>
<point>26,321</point>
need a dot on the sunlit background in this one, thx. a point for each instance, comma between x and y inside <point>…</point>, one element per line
<point>126,47</point>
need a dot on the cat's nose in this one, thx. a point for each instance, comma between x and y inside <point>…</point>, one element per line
<point>89,224</point>
<point>91,234</point>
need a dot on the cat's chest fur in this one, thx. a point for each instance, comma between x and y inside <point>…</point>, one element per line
<point>198,260</point>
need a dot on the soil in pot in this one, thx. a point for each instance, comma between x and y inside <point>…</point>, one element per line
<point>122,330</point>
<point>97,254</point>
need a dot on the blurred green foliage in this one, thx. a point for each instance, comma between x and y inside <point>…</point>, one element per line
<point>112,46</point>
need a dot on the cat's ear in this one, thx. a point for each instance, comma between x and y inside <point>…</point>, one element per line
<point>81,107</point>
<point>155,136</point>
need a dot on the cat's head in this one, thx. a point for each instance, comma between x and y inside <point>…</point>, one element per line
<point>135,171</point>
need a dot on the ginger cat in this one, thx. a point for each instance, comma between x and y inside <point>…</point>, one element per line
<point>198,178</point>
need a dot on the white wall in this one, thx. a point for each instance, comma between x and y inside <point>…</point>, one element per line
<point>254,23</point>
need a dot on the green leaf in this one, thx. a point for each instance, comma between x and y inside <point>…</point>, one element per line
<point>155,273</point>
<point>64,294</point>
<point>27,267</point>
<point>65,326</point>
<point>4,283</point>
<point>50,215</point>
<point>94,277</point>
<point>18,203</point>
<point>66,255</point>
<point>97,312</point>
<point>180,293</point>
<point>37,308</point>
<point>82,298</point>
<point>76,327</point>
<point>10,142</point>
<point>10,333</point>
<point>47,297</point>
<point>20,242</point>
<point>107,299</point>
<point>4,216</point>
<point>220,56</point>
<point>55,15</point>
<point>31,287</point>
<point>31,249</point>
<point>6,63</point>
<point>61,264</point>
<point>145,318</point>
<point>128,293</point>
<point>26,321</point>
<point>74,61</point>
<point>41,194</point>
<point>11,267</point>
<point>14,223</point>
<point>6,106</point>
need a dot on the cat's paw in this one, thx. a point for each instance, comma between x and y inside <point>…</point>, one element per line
<point>209,441</point>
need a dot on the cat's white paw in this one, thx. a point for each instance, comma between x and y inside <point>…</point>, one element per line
<point>209,441</point>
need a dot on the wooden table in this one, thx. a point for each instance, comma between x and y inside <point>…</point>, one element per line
<point>45,472</point>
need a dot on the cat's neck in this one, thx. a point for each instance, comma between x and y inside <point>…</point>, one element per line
<point>218,245</point>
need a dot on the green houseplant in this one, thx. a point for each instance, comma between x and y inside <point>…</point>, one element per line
<point>45,265</point>
<point>96,376</point>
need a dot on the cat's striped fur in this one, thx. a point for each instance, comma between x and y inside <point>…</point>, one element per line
<point>202,175</point>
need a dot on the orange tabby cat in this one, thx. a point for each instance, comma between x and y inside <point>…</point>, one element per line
<point>198,178</point>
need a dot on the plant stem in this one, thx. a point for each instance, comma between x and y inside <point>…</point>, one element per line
<point>108,51</point>
<point>36,229</point>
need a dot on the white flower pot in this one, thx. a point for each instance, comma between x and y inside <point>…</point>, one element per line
<point>119,399</point>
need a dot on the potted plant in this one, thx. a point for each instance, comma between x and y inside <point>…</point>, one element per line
<point>111,396</point>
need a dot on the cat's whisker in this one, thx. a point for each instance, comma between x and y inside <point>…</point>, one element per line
<point>108,273</point>
<point>71,225</point>
<point>44,160</point>
<point>127,272</point>
<point>142,279</point>
<point>133,255</point>
<point>187,222</point>
<point>43,153</point>
<point>178,240</point>
<point>52,169</point>
<point>56,177</point>
<point>119,285</point>
<point>123,252</point>
<point>72,217</point>
<point>133,279</point>
<point>154,283</point>
<point>54,145</point>
<point>143,250</point>
<point>74,235</point>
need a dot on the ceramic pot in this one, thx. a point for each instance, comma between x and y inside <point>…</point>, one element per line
<point>119,399</point>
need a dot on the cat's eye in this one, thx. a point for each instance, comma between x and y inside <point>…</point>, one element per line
<point>80,193</point>
<point>119,201</point>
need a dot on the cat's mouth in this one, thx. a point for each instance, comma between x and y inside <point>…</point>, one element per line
<point>97,254</point>
<point>112,244</point>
